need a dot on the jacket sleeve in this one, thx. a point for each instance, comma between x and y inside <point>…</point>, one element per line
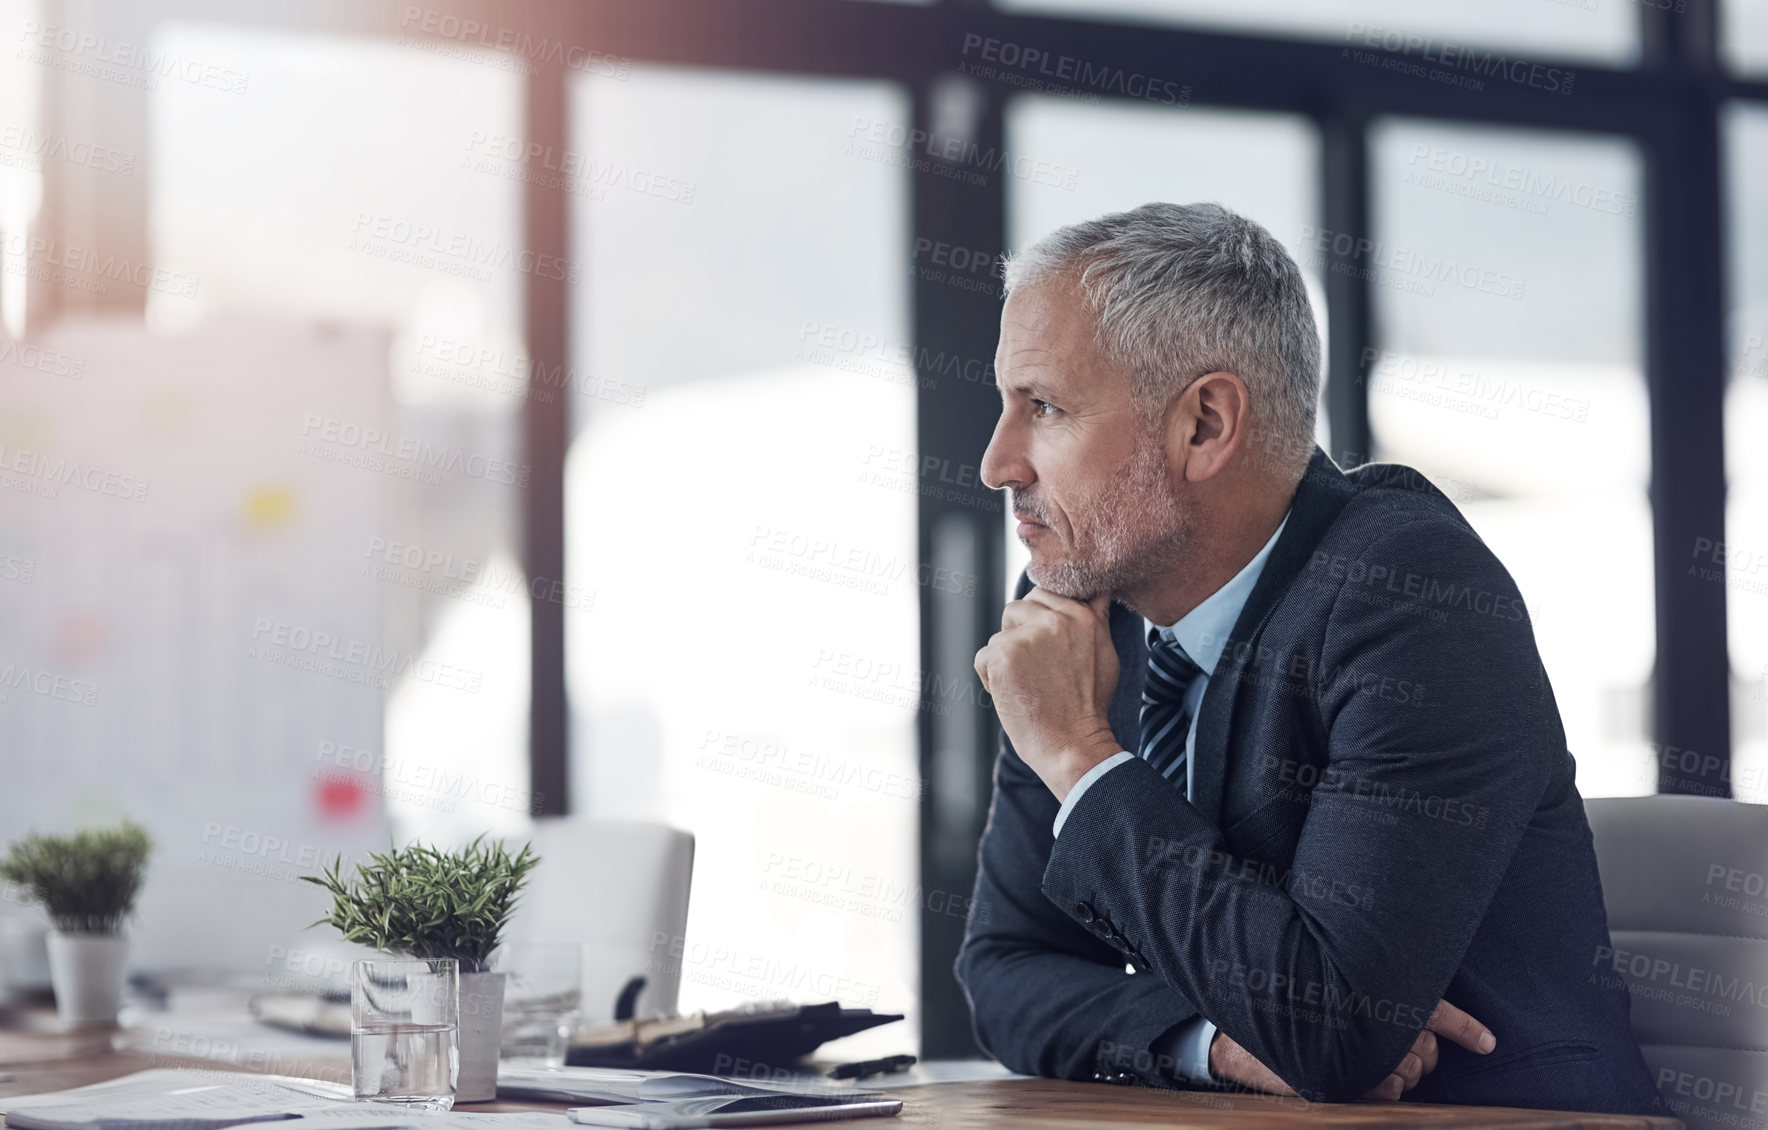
<point>1048,996</point>
<point>1327,971</point>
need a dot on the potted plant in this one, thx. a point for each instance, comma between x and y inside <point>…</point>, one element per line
<point>86,883</point>
<point>428,903</point>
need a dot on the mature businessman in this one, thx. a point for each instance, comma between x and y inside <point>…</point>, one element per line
<point>1283,800</point>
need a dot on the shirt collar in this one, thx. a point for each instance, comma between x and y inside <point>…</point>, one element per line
<point>1203,632</point>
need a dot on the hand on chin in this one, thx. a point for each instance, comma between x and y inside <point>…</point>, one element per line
<point>1051,671</point>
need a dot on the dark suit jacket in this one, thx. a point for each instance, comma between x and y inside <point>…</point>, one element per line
<point>1384,816</point>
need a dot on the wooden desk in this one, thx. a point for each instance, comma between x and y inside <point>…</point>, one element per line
<point>35,1063</point>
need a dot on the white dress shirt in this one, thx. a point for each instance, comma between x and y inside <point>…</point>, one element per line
<point>1202,634</point>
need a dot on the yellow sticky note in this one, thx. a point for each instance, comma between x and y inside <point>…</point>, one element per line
<point>269,506</point>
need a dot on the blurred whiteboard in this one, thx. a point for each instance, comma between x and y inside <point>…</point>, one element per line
<point>164,513</point>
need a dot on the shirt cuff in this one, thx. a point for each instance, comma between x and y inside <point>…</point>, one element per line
<point>1191,1050</point>
<point>1085,783</point>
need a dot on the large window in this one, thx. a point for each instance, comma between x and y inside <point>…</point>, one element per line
<point>1507,368</point>
<point>1744,43</point>
<point>299,613</point>
<point>1740,560</point>
<point>741,493</point>
<point>398,230</point>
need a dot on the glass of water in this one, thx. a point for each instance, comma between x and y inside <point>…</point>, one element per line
<point>404,1021</point>
<point>541,1000</point>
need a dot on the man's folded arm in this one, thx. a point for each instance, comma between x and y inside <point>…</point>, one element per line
<point>1048,996</point>
<point>1441,735</point>
<point>1185,1047</point>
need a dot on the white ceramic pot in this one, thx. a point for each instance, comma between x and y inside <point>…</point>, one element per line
<point>87,971</point>
<point>481,1036</point>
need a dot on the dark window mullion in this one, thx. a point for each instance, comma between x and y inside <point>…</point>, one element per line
<point>1685,376</point>
<point>961,526</point>
<point>546,434</point>
<point>1344,207</point>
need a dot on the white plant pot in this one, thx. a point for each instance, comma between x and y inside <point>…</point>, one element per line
<point>87,971</point>
<point>481,1036</point>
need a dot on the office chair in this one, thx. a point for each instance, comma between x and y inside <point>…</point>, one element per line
<point>1684,880</point>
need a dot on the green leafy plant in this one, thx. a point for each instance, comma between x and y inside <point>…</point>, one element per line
<point>428,903</point>
<point>87,881</point>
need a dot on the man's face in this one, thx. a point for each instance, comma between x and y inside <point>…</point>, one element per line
<point>1097,506</point>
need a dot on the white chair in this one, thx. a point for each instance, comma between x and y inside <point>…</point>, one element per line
<point>620,888</point>
<point>1684,878</point>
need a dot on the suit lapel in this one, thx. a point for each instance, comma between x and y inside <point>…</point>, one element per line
<point>1319,498</point>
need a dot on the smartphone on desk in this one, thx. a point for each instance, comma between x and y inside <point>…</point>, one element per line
<point>736,1110</point>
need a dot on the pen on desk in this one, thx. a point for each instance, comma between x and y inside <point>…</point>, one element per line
<point>862,1068</point>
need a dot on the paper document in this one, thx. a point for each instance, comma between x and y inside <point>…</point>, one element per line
<point>163,1099</point>
<point>378,1116</point>
<point>208,1100</point>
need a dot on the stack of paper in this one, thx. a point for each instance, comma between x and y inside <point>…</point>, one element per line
<point>174,1100</point>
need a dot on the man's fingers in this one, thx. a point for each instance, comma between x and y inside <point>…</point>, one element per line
<point>1451,1022</point>
<point>1426,1047</point>
<point>1013,613</point>
<point>1051,600</point>
<point>1422,1059</point>
<point>1019,612</point>
<point>1410,1070</point>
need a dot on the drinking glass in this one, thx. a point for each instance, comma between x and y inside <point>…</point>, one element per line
<point>541,1000</point>
<point>404,1024</point>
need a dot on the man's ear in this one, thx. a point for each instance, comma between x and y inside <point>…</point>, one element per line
<point>1212,421</point>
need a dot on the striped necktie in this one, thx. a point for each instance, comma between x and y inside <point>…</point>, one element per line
<point>1166,719</point>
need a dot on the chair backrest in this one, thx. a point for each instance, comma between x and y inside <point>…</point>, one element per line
<point>621,888</point>
<point>1685,879</point>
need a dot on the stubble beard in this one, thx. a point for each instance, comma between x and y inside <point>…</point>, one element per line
<point>1130,533</point>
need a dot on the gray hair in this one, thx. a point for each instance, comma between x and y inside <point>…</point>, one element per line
<point>1180,290</point>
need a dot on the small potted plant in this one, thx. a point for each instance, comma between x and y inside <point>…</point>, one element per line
<point>428,903</point>
<point>86,883</point>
